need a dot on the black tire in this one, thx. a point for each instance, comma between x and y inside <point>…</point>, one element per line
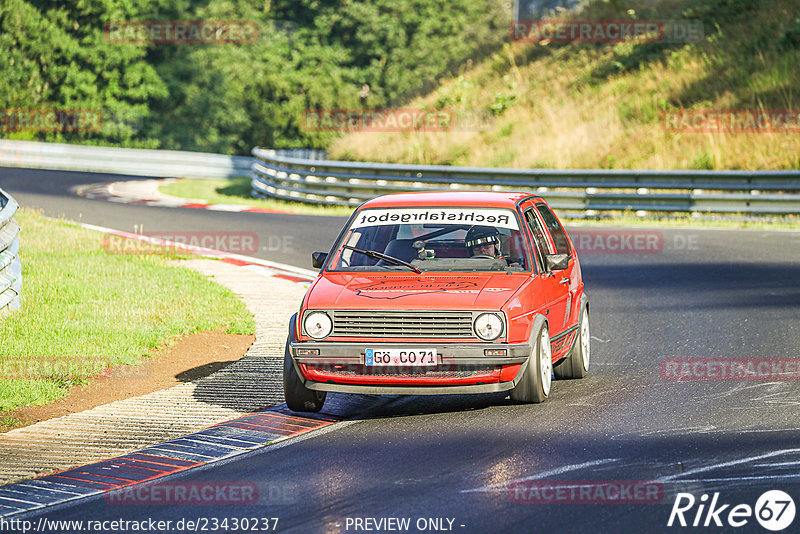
<point>534,387</point>
<point>576,364</point>
<point>298,397</point>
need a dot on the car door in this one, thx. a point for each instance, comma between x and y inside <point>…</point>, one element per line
<point>568,278</point>
<point>553,289</point>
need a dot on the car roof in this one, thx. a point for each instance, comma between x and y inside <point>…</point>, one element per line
<point>489,199</point>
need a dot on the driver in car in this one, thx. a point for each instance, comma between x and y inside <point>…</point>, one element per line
<point>483,241</point>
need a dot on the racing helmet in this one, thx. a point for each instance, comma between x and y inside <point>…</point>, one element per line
<point>478,235</point>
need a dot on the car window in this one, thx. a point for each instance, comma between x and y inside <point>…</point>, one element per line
<point>416,230</point>
<point>557,232</point>
<point>435,239</point>
<point>539,239</point>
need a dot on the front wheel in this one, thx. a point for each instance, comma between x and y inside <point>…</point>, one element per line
<point>534,387</point>
<point>576,364</point>
<point>298,397</point>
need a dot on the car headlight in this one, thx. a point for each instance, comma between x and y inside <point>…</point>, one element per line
<point>488,326</point>
<point>318,325</point>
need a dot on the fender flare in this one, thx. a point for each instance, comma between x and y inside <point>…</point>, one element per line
<point>292,337</point>
<point>293,328</point>
<point>537,323</point>
<point>584,306</point>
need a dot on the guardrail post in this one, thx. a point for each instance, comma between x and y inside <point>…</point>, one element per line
<point>10,262</point>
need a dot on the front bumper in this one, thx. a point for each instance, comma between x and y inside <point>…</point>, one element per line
<point>464,368</point>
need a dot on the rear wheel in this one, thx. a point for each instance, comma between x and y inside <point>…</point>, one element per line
<point>576,364</point>
<point>298,397</point>
<point>537,379</point>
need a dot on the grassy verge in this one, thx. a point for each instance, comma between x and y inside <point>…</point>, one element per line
<point>584,105</point>
<point>85,309</point>
<point>237,191</point>
<point>676,220</point>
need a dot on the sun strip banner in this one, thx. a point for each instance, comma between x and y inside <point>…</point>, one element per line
<point>499,218</point>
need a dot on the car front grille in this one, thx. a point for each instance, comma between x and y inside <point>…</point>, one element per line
<point>408,324</point>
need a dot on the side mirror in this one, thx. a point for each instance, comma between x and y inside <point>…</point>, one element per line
<point>557,262</point>
<point>318,259</point>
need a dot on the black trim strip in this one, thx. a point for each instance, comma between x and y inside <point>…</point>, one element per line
<point>565,333</point>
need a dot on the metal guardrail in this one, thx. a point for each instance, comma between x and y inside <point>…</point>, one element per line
<point>277,175</point>
<point>10,263</point>
<point>127,161</point>
<point>304,175</point>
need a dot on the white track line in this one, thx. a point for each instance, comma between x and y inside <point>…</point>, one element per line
<point>543,474</point>
<point>731,463</point>
<point>281,268</point>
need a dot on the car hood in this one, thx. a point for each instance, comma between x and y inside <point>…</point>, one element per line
<point>439,291</point>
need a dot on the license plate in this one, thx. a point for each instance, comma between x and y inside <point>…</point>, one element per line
<point>401,357</point>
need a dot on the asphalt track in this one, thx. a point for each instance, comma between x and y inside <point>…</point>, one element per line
<point>705,293</point>
<point>282,238</point>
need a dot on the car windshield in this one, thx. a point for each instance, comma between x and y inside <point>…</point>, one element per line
<point>433,239</point>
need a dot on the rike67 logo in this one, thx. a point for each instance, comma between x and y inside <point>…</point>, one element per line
<point>774,510</point>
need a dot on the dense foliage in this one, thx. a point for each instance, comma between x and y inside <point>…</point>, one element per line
<point>227,98</point>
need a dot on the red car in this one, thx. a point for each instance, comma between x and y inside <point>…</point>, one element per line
<point>436,293</point>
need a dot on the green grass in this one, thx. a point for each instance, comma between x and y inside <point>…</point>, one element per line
<point>8,422</point>
<point>677,220</point>
<point>584,105</point>
<point>237,191</point>
<point>84,310</point>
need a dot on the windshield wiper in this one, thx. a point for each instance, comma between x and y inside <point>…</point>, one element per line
<point>382,256</point>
